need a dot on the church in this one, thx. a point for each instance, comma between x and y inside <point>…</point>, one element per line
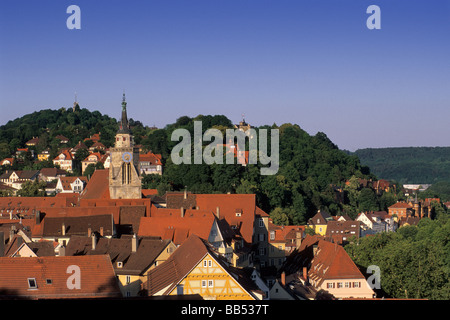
<point>124,172</point>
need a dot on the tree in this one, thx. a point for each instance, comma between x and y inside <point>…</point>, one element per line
<point>32,189</point>
<point>279,217</point>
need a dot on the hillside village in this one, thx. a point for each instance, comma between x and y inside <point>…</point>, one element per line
<point>104,236</point>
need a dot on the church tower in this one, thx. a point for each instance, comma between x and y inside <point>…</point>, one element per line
<point>124,179</point>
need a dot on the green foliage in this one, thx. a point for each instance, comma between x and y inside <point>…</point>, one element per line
<point>32,189</point>
<point>414,261</point>
<point>408,165</point>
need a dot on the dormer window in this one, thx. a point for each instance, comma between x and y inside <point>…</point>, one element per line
<point>119,264</point>
<point>32,283</point>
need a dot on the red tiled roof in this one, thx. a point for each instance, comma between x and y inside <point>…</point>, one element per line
<point>168,224</point>
<point>51,274</point>
<point>98,185</point>
<point>400,205</point>
<point>66,153</point>
<point>228,204</point>
<point>151,157</point>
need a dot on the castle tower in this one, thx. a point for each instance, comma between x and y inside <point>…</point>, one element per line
<point>124,179</point>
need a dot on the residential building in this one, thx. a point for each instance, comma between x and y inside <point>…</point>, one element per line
<point>150,163</point>
<point>15,178</point>
<point>132,257</point>
<point>400,210</point>
<point>64,160</point>
<point>319,222</point>
<point>71,184</point>
<point>328,267</point>
<point>195,269</point>
<point>342,231</point>
<point>44,155</point>
<point>51,174</point>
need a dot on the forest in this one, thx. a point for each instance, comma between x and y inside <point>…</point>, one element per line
<point>408,165</point>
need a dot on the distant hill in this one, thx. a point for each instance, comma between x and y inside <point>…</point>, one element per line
<point>425,165</point>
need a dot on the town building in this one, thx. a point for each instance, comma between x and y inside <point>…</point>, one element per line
<point>195,269</point>
<point>326,266</point>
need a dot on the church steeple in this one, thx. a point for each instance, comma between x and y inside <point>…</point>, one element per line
<point>124,127</point>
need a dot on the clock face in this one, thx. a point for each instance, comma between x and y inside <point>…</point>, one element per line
<point>127,157</point>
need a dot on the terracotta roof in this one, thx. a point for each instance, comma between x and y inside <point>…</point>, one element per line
<point>52,274</point>
<point>168,224</point>
<point>98,186</point>
<point>331,261</point>
<point>400,205</point>
<point>66,153</point>
<point>154,159</point>
<point>227,204</point>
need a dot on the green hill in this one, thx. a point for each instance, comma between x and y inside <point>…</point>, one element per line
<point>414,165</point>
<point>311,176</point>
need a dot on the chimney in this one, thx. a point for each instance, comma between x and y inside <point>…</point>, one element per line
<point>62,251</point>
<point>89,232</point>
<point>182,212</point>
<point>305,273</point>
<point>11,234</point>
<point>134,243</point>
<point>298,239</point>
<point>283,278</point>
<point>94,241</point>
<point>185,194</point>
<point>218,212</point>
<point>101,231</point>
<point>38,217</point>
<point>63,229</point>
<point>2,244</point>
<point>314,249</point>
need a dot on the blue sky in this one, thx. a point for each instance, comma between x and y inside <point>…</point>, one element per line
<point>312,62</point>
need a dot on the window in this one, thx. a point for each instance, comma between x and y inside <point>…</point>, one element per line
<point>330,285</point>
<point>48,281</point>
<point>210,283</point>
<point>32,283</point>
<point>205,263</point>
<point>209,263</point>
<point>356,284</point>
<point>272,235</point>
<point>119,264</point>
<point>203,283</point>
<point>339,285</point>
<point>347,284</point>
<point>128,279</point>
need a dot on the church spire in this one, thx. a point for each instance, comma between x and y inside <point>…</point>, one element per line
<point>124,127</point>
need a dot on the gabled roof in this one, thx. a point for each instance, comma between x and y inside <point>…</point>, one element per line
<point>51,276</point>
<point>98,185</point>
<point>164,278</point>
<point>67,181</point>
<point>321,217</point>
<point>67,155</point>
<point>154,159</point>
<point>327,261</point>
